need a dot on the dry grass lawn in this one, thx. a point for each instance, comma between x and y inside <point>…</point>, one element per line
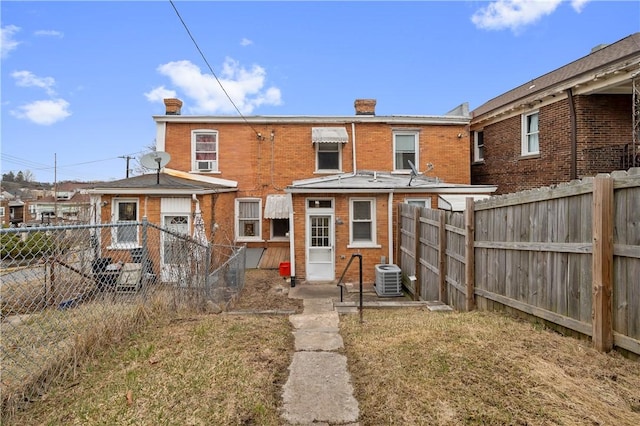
<point>421,368</point>
<point>408,367</point>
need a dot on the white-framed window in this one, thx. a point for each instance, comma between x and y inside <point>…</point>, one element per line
<point>279,229</point>
<point>1,211</point>
<point>328,157</point>
<point>530,131</point>
<point>204,150</point>
<point>248,219</point>
<point>125,210</point>
<point>362,221</point>
<point>478,146</point>
<point>405,149</point>
<point>420,202</point>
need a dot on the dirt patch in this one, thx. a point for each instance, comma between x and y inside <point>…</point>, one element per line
<point>265,290</point>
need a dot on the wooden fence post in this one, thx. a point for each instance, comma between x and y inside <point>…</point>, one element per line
<point>469,266</point>
<point>442,253</point>
<point>416,223</point>
<point>602,263</point>
<point>398,237</point>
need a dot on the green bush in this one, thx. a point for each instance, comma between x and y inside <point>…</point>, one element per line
<point>36,244</point>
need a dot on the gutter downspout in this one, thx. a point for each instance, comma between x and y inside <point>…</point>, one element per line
<point>353,140</point>
<point>390,226</point>
<point>574,136</point>
<point>292,242</point>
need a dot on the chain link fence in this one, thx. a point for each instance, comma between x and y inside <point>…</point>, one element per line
<point>69,291</point>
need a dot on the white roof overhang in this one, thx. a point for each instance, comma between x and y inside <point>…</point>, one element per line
<point>457,202</point>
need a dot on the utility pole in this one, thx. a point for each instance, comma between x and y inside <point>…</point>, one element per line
<point>126,157</point>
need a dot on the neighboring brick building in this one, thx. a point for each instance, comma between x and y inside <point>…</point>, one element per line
<point>573,122</point>
<point>290,187</point>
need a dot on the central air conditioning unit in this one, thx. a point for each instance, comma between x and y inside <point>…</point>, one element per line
<point>388,280</point>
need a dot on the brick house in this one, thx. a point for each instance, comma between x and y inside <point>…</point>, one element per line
<point>572,122</point>
<point>286,185</point>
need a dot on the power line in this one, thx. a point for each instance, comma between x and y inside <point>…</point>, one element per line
<point>211,69</point>
<point>35,166</point>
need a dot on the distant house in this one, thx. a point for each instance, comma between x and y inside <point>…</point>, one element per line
<point>68,202</point>
<point>578,120</point>
<point>311,190</point>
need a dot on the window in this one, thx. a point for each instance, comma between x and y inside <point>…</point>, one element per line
<point>420,202</point>
<point>126,212</point>
<point>404,150</point>
<point>279,228</point>
<point>248,219</point>
<point>319,204</point>
<point>362,215</point>
<point>328,156</point>
<point>478,146</point>
<point>530,134</point>
<point>204,145</point>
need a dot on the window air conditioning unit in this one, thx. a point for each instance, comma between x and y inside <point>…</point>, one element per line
<point>388,280</point>
<point>205,166</point>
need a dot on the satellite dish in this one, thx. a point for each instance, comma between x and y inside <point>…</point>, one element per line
<point>414,171</point>
<point>156,161</point>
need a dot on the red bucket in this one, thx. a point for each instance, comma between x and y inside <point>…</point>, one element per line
<point>285,269</point>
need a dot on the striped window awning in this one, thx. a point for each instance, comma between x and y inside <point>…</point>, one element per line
<point>277,207</point>
<point>329,135</point>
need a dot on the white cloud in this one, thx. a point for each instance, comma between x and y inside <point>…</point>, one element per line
<point>515,14</point>
<point>578,5</point>
<point>28,79</point>
<point>7,42</point>
<point>49,33</point>
<point>44,112</point>
<point>245,42</point>
<point>244,86</point>
<point>159,94</point>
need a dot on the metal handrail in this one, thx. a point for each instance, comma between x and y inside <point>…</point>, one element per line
<point>358,255</point>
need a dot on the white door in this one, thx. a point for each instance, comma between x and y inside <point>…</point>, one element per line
<point>175,251</point>
<point>320,257</point>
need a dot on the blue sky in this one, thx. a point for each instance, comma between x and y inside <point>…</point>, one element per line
<point>81,80</point>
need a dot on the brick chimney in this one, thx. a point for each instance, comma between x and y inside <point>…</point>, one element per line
<point>365,106</point>
<point>173,106</point>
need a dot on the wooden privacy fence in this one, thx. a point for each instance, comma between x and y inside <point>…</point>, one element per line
<point>568,254</point>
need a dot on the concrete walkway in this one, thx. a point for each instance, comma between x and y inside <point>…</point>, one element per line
<point>319,389</point>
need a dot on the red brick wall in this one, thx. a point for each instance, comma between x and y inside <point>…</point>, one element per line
<point>370,256</point>
<point>264,167</point>
<point>604,127</point>
<point>603,124</point>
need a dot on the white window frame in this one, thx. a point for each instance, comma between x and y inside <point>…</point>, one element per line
<point>257,233</point>
<point>478,149</point>
<point>214,163</point>
<point>115,243</point>
<point>372,220</point>
<point>416,149</point>
<point>422,202</point>
<point>318,169</point>
<point>526,134</point>
<point>1,211</point>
